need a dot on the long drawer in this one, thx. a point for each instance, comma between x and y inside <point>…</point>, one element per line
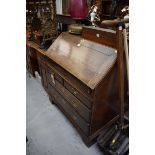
<point>82,88</point>
<point>78,106</point>
<point>76,93</point>
<point>52,75</point>
<point>74,102</point>
<point>69,110</point>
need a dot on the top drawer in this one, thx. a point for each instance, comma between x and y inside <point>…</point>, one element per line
<point>100,35</point>
<point>70,79</point>
<point>52,75</point>
<point>76,93</point>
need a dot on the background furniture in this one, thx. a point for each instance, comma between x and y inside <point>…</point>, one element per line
<point>38,61</point>
<point>31,61</point>
<point>105,7</point>
<point>41,21</point>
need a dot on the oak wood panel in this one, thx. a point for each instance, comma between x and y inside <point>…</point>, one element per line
<point>50,73</point>
<point>35,46</point>
<point>70,111</point>
<point>43,75</point>
<point>121,78</point>
<point>72,80</point>
<point>35,56</point>
<point>76,93</point>
<point>31,60</point>
<point>71,53</point>
<point>105,99</point>
<point>88,140</point>
<point>100,35</point>
<point>74,102</point>
<point>77,105</point>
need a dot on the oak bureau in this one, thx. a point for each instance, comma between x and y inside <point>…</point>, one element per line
<point>80,77</point>
<point>79,73</point>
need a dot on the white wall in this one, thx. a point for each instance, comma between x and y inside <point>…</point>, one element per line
<point>59,6</point>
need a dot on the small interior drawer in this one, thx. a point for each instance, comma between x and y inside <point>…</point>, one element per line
<point>76,93</point>
<point>72,114</point>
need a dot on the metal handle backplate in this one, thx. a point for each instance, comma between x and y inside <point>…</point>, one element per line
<point>52,77</point>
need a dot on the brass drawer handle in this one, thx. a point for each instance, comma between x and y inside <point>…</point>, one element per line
<point>74,105</point>
<point>52,77</point>
<point>75,92</point>
<point>74,117</point>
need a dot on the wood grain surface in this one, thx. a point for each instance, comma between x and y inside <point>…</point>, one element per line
<point>86,60</point>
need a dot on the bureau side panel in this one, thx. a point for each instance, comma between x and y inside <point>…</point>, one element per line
<point>105,101</point>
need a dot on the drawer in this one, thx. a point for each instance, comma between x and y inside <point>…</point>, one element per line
<point>76,93</point>
<point>100,35</point>
<point>72,114</point>
<point>85,90</point>
<point>52,76</point>
<point>74,102</point>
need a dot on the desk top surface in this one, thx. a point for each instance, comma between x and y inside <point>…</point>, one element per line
<point>35,46</point>
<point>86,60</point>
